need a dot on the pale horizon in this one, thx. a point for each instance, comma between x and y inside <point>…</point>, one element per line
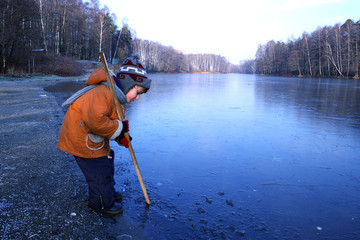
<point>232,29</point>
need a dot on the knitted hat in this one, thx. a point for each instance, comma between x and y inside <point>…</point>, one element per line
<point>131,73</point>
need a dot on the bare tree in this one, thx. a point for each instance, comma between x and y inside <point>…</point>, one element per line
<point>102,21</point>
<point>333,50</point>
<point>41,11</point>
<point>305,37</point>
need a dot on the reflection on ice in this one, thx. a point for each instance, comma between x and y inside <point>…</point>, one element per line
<point>224,156</point>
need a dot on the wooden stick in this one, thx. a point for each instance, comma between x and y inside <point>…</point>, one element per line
<point>120,115</point>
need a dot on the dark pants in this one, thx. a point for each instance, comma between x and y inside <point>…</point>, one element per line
<point>99,175</point>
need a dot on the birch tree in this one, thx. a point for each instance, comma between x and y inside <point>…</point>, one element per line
<point>102,21</point>
<point>305,37</point>
<point>41,12</point>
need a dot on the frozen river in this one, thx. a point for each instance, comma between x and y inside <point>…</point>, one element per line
<point>229,156</point>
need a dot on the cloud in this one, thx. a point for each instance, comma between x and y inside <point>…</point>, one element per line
<point>338,19</point>
<point>291,5</point>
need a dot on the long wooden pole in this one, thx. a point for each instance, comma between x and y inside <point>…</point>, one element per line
<point>120,115</point>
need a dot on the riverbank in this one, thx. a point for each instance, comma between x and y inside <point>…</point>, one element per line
<point>43,194</point>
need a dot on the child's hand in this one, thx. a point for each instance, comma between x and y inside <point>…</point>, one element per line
<point>122,141</point>
<point>125,126</point>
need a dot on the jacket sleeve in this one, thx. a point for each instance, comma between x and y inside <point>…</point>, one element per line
<point>99,114</point>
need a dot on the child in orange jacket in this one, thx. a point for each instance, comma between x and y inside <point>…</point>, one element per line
<point>91,121</point>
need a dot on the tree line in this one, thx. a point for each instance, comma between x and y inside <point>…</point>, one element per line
<point>331,51</point>
<point>80,30</point>
<point>67,28</point>
<point>159,58</point>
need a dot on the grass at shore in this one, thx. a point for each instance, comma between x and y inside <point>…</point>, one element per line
<point>51,64</point>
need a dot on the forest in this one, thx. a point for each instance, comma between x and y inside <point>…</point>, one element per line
<point>330,51</point>
<point>54,33</point>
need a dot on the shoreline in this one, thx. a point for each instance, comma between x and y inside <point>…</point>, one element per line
<point>43,192</point>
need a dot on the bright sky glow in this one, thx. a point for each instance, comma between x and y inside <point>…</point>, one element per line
<point>231,28</point>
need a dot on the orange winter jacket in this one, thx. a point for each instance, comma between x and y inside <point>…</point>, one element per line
<point>90,121</point>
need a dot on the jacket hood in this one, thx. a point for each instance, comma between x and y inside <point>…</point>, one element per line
<point>97,76</point>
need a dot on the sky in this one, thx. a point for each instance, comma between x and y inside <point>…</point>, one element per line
<point>230,28</point>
